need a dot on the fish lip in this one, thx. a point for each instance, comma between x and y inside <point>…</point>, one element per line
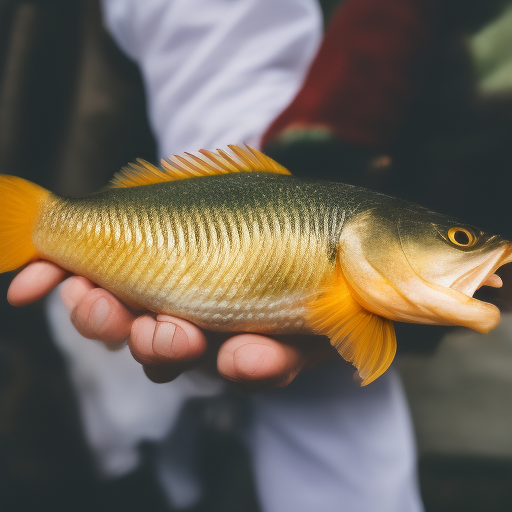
<point>472,280</point>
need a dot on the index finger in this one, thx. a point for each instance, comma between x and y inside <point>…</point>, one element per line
<point>34,282</point>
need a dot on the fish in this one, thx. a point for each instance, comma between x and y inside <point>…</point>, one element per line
<point>232,242</point>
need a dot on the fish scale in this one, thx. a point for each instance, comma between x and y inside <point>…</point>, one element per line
<point>252,266</point>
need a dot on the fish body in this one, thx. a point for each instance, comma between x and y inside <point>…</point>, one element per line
<point>241,252</point>
<point>233,243</point>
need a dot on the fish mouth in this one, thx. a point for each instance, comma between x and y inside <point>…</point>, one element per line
<point>484,274</point>
<point>458,307</point>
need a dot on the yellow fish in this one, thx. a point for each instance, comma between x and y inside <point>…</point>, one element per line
<point>232,242</point>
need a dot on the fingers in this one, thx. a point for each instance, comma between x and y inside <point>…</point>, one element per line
<point>95,312</point>
<point>255,358</point>
<point>166,346</point>
<point>34,282</point>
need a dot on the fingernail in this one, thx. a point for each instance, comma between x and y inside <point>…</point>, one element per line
<point>248,359</point>
<point>170,340</point>
<point>100,311</point>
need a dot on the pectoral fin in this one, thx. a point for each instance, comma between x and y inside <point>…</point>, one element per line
<point>363,338</point>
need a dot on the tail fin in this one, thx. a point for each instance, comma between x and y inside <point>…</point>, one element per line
<point>20,202</point>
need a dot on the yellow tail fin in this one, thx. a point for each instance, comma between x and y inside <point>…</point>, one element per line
<point>20,202</point>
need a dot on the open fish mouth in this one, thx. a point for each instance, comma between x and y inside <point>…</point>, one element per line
<point>484,274</point>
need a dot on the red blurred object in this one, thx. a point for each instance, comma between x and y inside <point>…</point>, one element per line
<point>366,73</point>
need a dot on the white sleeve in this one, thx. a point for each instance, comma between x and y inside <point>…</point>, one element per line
<point>325,443</point>
<point>216,72</point>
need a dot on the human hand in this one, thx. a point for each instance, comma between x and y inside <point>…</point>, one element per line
<point>165,345</point>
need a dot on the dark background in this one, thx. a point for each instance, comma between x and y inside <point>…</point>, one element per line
<point>72,113</point>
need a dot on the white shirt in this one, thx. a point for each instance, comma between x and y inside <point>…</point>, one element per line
<point>216,72</point>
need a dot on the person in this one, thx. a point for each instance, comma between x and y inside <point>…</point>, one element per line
<point>216,73</point>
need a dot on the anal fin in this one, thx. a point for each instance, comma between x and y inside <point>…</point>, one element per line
<point>363,338</point>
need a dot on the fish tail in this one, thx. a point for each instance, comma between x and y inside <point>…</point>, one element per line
<point>20,204</point>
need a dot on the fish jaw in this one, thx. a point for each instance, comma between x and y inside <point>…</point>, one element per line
<point>458,309</point>
<point>484,274</point>
<point>473,313</point>
<point>415,300</point>
<point>455,305</point>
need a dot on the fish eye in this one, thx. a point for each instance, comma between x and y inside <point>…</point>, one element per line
<point>461,237</point>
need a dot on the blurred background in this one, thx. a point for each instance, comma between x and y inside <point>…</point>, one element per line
<point>72,112</point>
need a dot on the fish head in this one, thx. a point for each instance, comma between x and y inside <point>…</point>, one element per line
<point>413,265</point>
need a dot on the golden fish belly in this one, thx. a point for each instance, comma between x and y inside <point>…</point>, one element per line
<point>226,269</point>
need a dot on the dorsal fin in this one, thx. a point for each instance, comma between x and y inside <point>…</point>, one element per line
<point>242,159</point>
<point>363,338</point>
